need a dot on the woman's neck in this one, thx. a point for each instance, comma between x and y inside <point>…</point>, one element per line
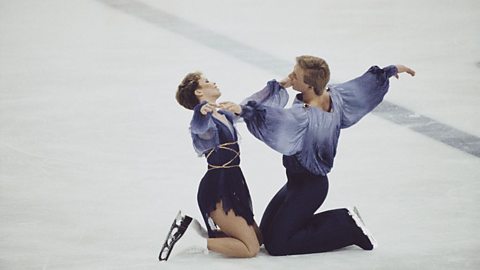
<point>212,100</point>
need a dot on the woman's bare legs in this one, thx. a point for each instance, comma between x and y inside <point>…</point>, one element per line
<point>242,241</point>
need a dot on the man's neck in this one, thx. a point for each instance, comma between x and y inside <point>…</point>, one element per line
<point>323,101</point>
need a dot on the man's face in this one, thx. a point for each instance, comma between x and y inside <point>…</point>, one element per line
<point>297,79</point>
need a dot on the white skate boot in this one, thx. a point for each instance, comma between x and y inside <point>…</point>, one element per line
<point>368,235</point>
<point>186,236</point>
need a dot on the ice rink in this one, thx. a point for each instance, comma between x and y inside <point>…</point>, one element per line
<point>96,157</point>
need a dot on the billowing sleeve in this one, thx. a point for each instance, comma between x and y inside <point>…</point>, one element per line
<point>361,95</point>
<point>281,129</point>
<point>203,130</point>
<point>272,95</point>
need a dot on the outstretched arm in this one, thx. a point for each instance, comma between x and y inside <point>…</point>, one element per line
<point>361,95</point>
<point>203,129</point>
<point>272,95</point>
<point>281,129</point>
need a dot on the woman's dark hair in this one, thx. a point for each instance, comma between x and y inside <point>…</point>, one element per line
<point>186,90</point>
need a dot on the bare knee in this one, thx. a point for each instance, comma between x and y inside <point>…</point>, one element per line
<point>251,243</point>
<point>251,247</point>
<point>237,227</point>
<point>252,250</point>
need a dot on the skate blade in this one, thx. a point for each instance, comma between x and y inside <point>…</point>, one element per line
<point>178,228</point>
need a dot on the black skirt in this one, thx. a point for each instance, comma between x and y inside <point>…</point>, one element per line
<point>226,184</point>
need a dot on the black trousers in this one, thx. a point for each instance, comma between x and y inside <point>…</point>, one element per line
<point>289,225</point>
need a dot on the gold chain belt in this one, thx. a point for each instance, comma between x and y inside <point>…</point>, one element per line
<point>225,165</point>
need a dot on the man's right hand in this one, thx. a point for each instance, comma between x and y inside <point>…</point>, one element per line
<point>286,83</point>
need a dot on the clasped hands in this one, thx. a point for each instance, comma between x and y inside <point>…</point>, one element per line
<point>227,105</point>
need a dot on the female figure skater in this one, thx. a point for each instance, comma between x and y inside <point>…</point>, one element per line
<point>307,135</point>
<point>223,195</point>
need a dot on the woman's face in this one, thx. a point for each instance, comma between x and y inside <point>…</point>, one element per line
<point>297,79</point>
<point>208,89</point>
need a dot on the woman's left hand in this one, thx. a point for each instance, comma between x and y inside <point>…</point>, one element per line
<point>232,107</point>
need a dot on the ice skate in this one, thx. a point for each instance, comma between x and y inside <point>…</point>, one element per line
<point>186,235</point>
<point>177,230</point>
<point>369,242</point>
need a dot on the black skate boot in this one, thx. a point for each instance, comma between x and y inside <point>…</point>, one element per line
<point>178,228</point>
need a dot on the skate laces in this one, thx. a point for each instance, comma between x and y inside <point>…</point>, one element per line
<point>227,164</point>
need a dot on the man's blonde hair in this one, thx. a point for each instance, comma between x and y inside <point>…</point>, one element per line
<point>316,72</point>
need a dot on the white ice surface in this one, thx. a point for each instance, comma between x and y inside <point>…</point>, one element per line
<point>96,159</point>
